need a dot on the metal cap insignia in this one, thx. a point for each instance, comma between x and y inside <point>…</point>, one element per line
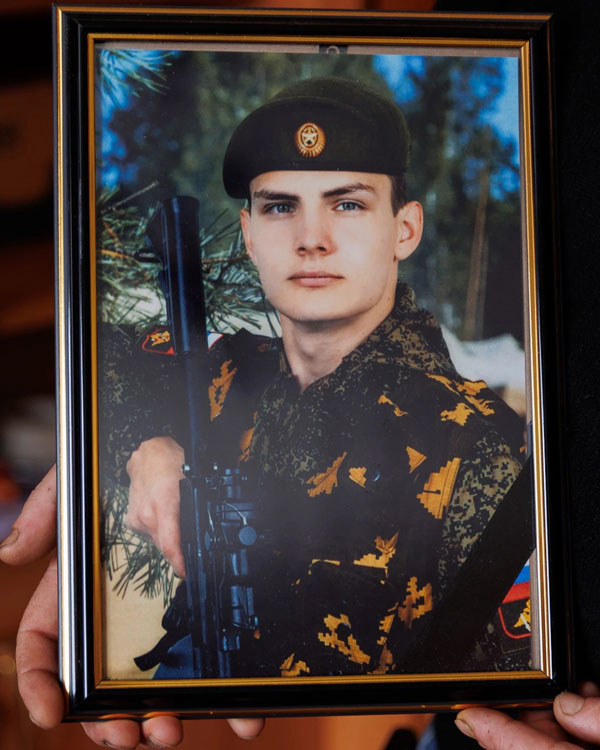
<point>310,140</point>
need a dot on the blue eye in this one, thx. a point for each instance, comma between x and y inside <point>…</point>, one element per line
<point>348,206</point>
<point>279,208</point>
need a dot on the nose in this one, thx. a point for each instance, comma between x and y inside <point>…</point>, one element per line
<point>313,234</point>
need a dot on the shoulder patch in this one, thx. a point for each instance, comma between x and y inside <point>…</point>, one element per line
<point>159,341</point>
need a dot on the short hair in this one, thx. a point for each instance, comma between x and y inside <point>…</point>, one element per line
<point>399,192</point>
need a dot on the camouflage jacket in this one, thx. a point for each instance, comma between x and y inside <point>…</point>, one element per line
<point>374,483</point>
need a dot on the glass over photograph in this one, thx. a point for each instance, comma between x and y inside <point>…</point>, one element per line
<point>310,313</point>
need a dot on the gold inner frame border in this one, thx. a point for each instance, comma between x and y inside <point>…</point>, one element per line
<point>526,125</point>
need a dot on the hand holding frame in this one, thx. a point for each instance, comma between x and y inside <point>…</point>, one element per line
<point>34,536</point>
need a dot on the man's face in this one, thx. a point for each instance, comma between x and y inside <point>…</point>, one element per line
<point>327,244</point>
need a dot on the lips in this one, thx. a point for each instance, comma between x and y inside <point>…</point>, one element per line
<point>314,278</point>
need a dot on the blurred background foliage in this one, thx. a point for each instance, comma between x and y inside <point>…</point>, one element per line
<point>165,120</point>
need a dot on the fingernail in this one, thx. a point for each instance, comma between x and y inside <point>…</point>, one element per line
<point>106,743</point>
<point>570,703</point>
<point>157,743</point>
<point>10,539</point>
<point>464,727</point>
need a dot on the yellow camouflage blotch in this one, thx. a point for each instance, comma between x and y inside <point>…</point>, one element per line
<point>386,662</point>
<point>386,548</point>
<point>218,389</point>
<point>483,406</point>
<point>246,441</point>
<point>459,415</point>
<point>349,648</point>
<point>414,458</point>
<point>383,399</point>
<point>468,389</point>
<point>524,620</point>
<point>319,559</point>
<point>291,669</point>
<point>473,387</point>
<point>327,480</point>
<point>357,474</point>
<point>441,379</point>
<point>386,623</point>
<point>418,601</point>
<point>438,488</point>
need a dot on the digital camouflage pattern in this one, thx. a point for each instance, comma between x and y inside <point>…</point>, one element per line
<point>372,486</point>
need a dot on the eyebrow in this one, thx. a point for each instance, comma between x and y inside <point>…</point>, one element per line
<point>353,187</point>
<point>270,195</point>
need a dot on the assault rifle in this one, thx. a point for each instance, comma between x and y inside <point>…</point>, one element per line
<point>216,528</point>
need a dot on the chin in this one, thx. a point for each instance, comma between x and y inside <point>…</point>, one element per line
<point>319,315</point>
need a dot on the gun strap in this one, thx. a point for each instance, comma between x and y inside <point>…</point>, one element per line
<point>176,622</point>
<point>480,585</point>
<point>158,653</point>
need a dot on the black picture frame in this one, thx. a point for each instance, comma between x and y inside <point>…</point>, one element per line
<point>90,695</point>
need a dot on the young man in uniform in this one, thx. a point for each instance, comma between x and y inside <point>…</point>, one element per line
<point>376,466</point>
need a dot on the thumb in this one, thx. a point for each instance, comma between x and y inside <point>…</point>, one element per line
<point>579,716</point>
<point>247,729</point>
<point>33,534</point>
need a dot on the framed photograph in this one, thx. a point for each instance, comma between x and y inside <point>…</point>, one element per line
<point>309,366</point>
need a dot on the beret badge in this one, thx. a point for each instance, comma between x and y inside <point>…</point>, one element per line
<point>310,140</point>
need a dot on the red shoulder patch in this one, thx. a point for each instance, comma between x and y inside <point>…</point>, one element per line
<point>159,341</point>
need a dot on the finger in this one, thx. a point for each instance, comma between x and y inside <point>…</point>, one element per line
<point>33,534</point>
<point>140,516</point>
<point>169,541</point>
<point>247,729</point>
<point>494,730</point>
<point>543,721</point>
<point>579,716</point>
<point>37,654</point>
<point>120,733</point>
<point>162,731</point>
<point>588,690</point>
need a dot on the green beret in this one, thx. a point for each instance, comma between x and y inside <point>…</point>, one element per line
<point>330,124</point>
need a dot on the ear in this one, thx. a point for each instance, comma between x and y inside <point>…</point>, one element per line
<point>245,223</point>
<point>410,229</point>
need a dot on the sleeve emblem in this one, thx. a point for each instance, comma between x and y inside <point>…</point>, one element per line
<point>159,342</point>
